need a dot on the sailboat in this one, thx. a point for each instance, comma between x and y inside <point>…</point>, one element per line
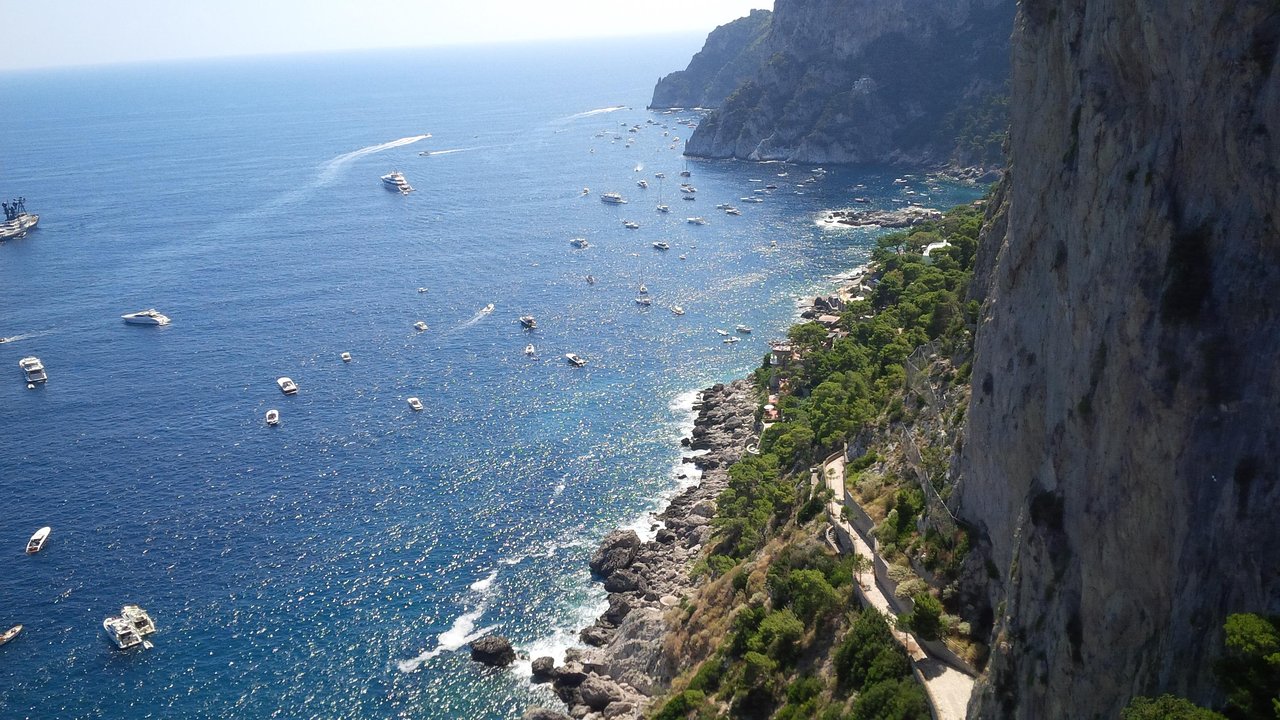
<point>662,207</point>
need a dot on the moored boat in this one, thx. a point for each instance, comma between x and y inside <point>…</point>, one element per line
<point>131,628</point>
<point>145,317</point>
<point>696,220</point>
<point>419,326</point>
<point>743,329</point>
<point>612,198</point>
<point>677,310</point>
<point>10,634</point>
<point>346,357</point>
<point>579,243</point>
<point>287,386</point>
<point>415,404</point>
<point>574,360</point>
<point>273,417</point>
<point>394,180</point>
<point>530,350</point>
<point>34,369</point>
<point>630,225</point>
<point>529,322</point>
<point>661,246</point>
<point>37,541</point>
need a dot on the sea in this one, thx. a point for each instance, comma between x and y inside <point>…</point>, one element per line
<point>335,566</point>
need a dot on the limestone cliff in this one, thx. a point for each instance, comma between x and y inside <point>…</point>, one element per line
<point>731,54</point>
<point>866,81</point>
<point>1120,464</point>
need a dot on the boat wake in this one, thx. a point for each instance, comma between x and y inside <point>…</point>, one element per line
<point>462,631</point>
<point>597,111</point>
<point>331,169</point>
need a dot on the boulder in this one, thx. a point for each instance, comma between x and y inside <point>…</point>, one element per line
<point>619,606</point>
<point>494,650</point>
<point>544,669</point>
<point>597,692</point>
<point>617,709</point>
<point>623,581</point>
<point>569,675</point>
<point>665,536</point>
<point>616,552</point>
<point>539,713</point>
<point>705,508</point>
<point>596,636</point>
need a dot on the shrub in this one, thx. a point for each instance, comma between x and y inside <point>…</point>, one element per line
<point>892,700</point>
<point>779,635</point>
<point>925,619</point>
<point>811,595</point>
<point>1166,707</point>
<point>680,706</point>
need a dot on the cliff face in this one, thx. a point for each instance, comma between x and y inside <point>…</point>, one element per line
<point>732,53</point>
<point>863,81</point>
<point>1120,465</point>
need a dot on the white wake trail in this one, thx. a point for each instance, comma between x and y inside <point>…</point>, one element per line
<point>597,111</point>
<point>331,168</point>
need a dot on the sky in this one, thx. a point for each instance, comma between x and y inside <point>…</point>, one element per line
<point>52,33</point>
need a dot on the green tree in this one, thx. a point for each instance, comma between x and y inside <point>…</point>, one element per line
<point>779,636</point>
<point>925,619</point>
<point>1166,707</point>
<point>811,595</point>
<point>1250,670</point>
<point>901,699</point>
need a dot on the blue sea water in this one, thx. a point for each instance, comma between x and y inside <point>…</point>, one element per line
<point>334,566</point>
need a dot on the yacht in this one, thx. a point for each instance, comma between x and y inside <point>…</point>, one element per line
<point>579,243</point>
<point>696,221</point>
<point>34,369</point>
<point>630,225</point>
<point>37,541</point>
<point>642,184</point>
<point>574,360</point>
<point>688,189</point>
<point>346,357</point>
<point>415,404</point>
<point>10,634</point>
<point>146,317</point>
<point>612,199</point>
<point>731,210</point>
<point>131,628</point>
<point>419,326</point>
<point>661,245</point>
<point>677,310</point>
<point>743,329</point>
<point>287,386</point>
<point>529,322</point>
<point>684,173</point>
<point>394,180</point>
<point>529,350</point>
<point>273,417</point>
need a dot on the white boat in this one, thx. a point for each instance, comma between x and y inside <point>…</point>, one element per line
<point>677,310</point>
<point>34,369</point>
<point>752,199</point>
<point>574,360</point>
<point>37,541</point>
<point>419,326</point>
<point>612,199</point>
<point>422,289</point>
<point>862,200</point>
<point>722,332</point>
<point>346,357</point>
<point>682,257</point>
<point>586,191</point>
<point>394,180</point>
<point>287,386</point>
<point>743,329</point>
<point>630,225</point>
<point>146,317</point>
<point>529,322</point>
<point>644,290</point>
<point>10,634</point>
<point>644,301</point>
<point>579,243</point>
<point>696,220</point>
<point>642,184</point>
<point>131,628</point>
<point>273,417</point>
<point>659,175</point>
<point>591,279</point>
<point>723,206</point>
<point>529,350</point>
<point>661,245</point>
<point>732,211</point>
<point>664,209</point>
<point>486,309</point>
<point>730,340</point>
<point>416,404</point>
<point>686,188</point>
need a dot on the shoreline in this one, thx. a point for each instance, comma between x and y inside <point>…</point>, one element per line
<point>623,667</point>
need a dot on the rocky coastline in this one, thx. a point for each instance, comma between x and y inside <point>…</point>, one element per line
<point>909,216</point>
<point>624,664</point>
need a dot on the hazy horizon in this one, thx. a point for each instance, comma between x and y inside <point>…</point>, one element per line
<point>79,33</point>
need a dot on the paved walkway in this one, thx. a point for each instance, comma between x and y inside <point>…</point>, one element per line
<point>948,688</point>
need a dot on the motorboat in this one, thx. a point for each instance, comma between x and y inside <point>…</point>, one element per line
<point>659,175</point>
<point>131,628</point>
<point>661,245</point>
<point>273,417</point>
<point>486,309</point>
<point>688,189</point>
<point>574,360</point>
<point>34,369</point>
<point>731,210</point>
<point>579,243</point>
<point>37,541</point>
<point>529,322</point>
<point>696,220</point>
<point>752,199</point>
<point>684,173</point>
<point>689,197</point>
<point>644,301</point>
<point>529,350</point>
<point>743,329</point>
<point>146,317</point>
<point>612,198</point>
<point>730,340</point>
<point>394,180</point>
<point>422,290</point>
<point>287,386</point>
<point>346,357</point>
<point>722,332</point>
<point>10,634</point>
<point>862,200</point>
<point>586,191</point>
<point>419,326</point>
<point>642,184</point>
<point>677,310</point>
<point>415,404</point>
<point>630,225</point>
<point>683,257</point>
<point>591,279</point>
<point>723,206</point>
<point>644,290</point>
<point>664,209</point>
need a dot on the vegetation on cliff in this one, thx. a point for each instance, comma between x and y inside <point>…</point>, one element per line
<point>777,631</point>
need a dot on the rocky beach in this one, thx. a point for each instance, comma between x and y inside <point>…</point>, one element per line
<point>623,664</point>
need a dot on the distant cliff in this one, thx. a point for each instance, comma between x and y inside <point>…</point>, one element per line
<point>867,81</point>
<point>733,52</point>
<point>1120,464</point>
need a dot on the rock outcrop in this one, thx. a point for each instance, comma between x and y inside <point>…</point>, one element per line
<point>733,52</point>
<point>869,81</point>
<point>1119,465</point>
<point>493,650</point>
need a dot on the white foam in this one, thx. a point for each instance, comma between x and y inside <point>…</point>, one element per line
<point>460,633</point>
<point>330,169</point>
<point>484,583</point>
<point>597,111</point>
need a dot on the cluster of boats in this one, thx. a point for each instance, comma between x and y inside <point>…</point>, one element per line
<point>129,629</point>
<point>33,369</point>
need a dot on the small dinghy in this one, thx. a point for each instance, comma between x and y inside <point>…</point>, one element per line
<point>529,350</point>
<point>273,417</point>
<point>415,404</point>
<point>346,357</point>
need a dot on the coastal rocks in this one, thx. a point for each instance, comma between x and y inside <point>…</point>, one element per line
<point>493,650</point>
<point>538,713</point>
<point>731,54</point>
<point>904,218</point>
<point>543,669</point>
<point>644,579</point>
